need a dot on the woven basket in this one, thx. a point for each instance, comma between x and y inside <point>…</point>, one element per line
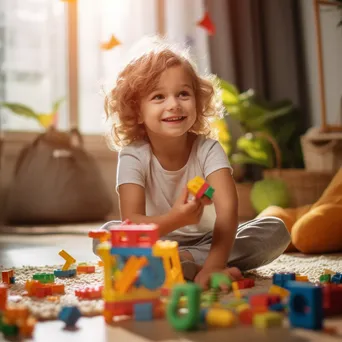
<point>305,187</point>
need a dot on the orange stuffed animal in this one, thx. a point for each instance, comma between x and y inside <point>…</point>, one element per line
<point>315,228</point>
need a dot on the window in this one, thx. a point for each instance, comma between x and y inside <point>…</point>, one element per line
<point>35,59</point>
<point>32,59</point>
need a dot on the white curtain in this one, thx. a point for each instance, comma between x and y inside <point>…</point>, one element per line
<point>129,21</point>
<point>32,59</point>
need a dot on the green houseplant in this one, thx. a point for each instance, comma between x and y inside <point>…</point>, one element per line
<point>277,120</point>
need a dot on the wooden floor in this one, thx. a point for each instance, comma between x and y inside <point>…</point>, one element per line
<point>16,251</point>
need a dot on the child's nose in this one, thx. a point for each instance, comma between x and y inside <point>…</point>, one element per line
<point>172,104</point>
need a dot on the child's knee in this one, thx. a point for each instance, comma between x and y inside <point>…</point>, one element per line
<point>281,234</point>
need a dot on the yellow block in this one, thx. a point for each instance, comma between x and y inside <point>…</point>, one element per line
<point>327,271</point>
<point>133,294</point>
<point>280,291</point>
<point>69,260</point>
<point>220,318</point>
<point>195,184</point>
<point>168,251</point>
<point>129,273</point>
<point>268,320</point>
<point>242,307</point>
<point>301,278</point>
<point>236,290</point>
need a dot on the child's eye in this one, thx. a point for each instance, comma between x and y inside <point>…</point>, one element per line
<point>184,93</point>
<point>158,97</point>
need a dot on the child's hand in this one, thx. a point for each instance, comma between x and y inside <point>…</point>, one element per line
<point>187,212</point>
<point>203,276</point>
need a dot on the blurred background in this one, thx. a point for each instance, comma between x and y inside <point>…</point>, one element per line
<point>278,61</point>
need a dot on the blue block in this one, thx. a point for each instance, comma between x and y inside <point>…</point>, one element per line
<point>143,311</point>
<point>152,276</point>
<point>305,305</point>
<point>277,307</point>
<point>64,274</point>
<point>12,280</point>
<point>280,279</point>
<point>129,251</point>
<point>69,315</point>
<point>337,278</point>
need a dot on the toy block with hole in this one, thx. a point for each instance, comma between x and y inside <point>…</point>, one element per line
<point>305,305</point>
<point>199,188</point>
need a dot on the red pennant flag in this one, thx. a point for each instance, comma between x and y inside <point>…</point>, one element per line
<point>207,24</point>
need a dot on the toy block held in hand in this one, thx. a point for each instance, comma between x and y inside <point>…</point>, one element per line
<point>199,188</point>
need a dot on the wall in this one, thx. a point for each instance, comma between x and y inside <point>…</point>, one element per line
<point>332,57</point>
<point>95,145</point>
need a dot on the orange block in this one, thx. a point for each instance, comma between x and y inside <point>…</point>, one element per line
<point>3,296</point>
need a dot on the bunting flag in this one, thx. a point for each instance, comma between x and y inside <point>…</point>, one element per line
<point>207,24</point>
<point>112,43</point>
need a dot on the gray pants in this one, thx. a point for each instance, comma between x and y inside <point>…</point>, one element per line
<point>257,243</point>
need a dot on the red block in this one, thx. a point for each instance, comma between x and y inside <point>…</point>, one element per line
<point>89,292</point>
<point>245,283</point>
<point>7,275</point>
<point>264,300</point>
<point>3,296</point>
<point>202,190</point>
<point>332,299</point>
<point>132,235</point>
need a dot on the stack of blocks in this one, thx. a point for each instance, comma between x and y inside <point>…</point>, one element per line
<point>199,188</point>
<point>137,266</point>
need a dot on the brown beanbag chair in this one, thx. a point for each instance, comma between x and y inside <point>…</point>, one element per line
<point>316,228</point>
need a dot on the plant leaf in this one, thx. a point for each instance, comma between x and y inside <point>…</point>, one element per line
<point>20,109</point>
<point>241,158</point>
<point>57,104</point>
<point>228,87</point>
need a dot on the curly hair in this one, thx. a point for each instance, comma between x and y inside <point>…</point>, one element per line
<point>139,78</point>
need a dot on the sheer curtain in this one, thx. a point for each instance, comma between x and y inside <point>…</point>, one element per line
<point>32,59</point>
<point>129,21</point>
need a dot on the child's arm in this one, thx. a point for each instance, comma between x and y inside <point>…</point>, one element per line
<point>226,207</point>
<point>132,207</point>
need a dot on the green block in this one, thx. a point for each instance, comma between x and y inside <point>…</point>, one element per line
<point>325,278</point>
<point>44,278</point>
<point>190,320</point>
<point>209,192</point>
<point>218,279</point>
<point>10,330</point>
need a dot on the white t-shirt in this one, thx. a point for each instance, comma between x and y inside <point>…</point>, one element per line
<point>137,164</point>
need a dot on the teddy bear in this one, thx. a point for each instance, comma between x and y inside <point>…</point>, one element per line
<point>315,228</point>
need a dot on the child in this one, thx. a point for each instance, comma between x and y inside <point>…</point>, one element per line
<point>161,109</point>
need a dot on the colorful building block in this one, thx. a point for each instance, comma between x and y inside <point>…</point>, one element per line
<point>3,296</point>
<point>69,315</point>
<point>64,274</point>
<point>325,278</point>
<point>332,299</point>
<point>245,283</point>
<point>268,320</point>
<point>199,188</point>
<point>89,292</point>
<point>143,311</point>
<point>263,300</point>
<point>305,305</point>
<point>69,260</point>
<point>336,278</point>
<point>85,269</point>
<point>6,276</point>
<point>44,278</point>
<point>280,279</point>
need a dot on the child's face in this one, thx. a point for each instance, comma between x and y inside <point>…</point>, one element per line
<point>170,110</point>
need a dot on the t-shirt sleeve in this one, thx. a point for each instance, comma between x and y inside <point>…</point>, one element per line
<point>215,158</point>
<point>130,167</point>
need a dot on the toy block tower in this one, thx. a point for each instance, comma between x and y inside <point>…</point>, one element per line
<point>199,188</point>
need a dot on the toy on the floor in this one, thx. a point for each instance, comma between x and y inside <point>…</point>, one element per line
<point>70,315</point>
<point>137,267</point>
<point>199,188</point>
<point>315,228</point>
<point>15,322</point>
<point>66,272</point>
<point>8,277</point>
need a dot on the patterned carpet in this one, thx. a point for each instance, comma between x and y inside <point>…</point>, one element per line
<point>49,307</point>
